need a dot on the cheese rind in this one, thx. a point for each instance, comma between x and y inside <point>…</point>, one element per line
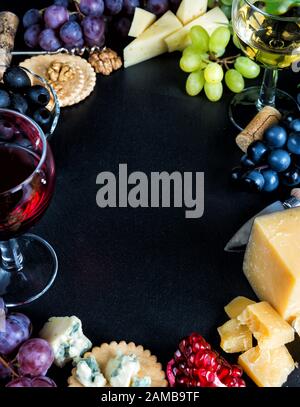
<point>210,21</point>
<point>151,42</point>
<point>267,368</point>
<point>142,19</point>
<point>66,338</point>
<point>268,327</point>
<point>272,259</point>
<point>190,9</point>
<point>235,337</point>
<point>237,306</point>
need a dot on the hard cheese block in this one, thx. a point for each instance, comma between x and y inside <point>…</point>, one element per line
<point>267,368</point>
<point>190,9</point>
<point>235,337</point>
<point>141,21</point>
<point>151,42</point>
<point>237,306</point>
<point>272,261</point>
<point>267,326</point>
<point>209,21</point>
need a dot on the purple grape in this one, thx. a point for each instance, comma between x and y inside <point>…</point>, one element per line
<point>78,44</point>
<point>31,17</point>
<point>93,29</point>
<point>55,16</point>
<point>74,17</point>
<point>130,5</point>
<point>64,3</point>
<point>157,7</point>
<point>35,357</point>
<point>70,33</point>
<point>31,35</point>
<point>20,382</point>
<point>48,40</point>
<point>18,329</point>
<point>122,26</point>
<point>114,6</point>
<point>93,8</point>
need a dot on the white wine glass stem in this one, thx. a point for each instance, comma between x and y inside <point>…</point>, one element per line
<point>267,96</point>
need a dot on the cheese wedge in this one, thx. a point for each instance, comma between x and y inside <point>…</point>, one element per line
<point>190,9</point>
<point>142,19</point>
<point>235,337</point>
<point>267,326</point>
<point>151,42</point>
<point>272,261</point>
<point>267,368</point>
<point>237,306</point>
<point>209,21</point>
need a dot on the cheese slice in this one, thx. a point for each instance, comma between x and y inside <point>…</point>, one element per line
<point>267,368</point>
<point>267,326</point>
<point>211,20</point>
<point>272,261</point>
<point>151,42</point>
<point>142,19</point>
<point>237,306</point>
<point>190,9</point>
<point>235,337</point>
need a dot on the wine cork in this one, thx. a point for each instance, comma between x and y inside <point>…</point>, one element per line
<point>264,119</point>
<point>8,28</point>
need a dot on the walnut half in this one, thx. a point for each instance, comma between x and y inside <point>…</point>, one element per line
<point>60,72</point>
<point>105,61</point>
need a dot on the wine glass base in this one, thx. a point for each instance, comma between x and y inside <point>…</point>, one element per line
<point>35,278</point>
<point>243,106</point>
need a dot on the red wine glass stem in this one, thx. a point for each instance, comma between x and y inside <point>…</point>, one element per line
<point>11,255</point>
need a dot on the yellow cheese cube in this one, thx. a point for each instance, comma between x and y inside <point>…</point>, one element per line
<point>272,261</point>
<point>142,19</point>
<point>209,21</point>
<point>267,368</point>
<point>190,9</point>
<point>267,326</point>
<point>151,42</point>
<point>235,337</point>
<point>237,306</point>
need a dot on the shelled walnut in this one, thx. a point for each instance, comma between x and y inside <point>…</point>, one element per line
<point>105,61</point>
<point>60,72</point>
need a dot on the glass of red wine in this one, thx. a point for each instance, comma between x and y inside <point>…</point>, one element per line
<point>28,264</point>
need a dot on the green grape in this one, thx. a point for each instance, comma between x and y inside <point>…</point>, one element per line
<point>213,91</point>
<point>248,68</point>
<point>227,2</point>
<point>226,10</point>
<point>234,80</point>
<point>213,73</point>
<point>190,62</point>
<point>195,83</point>
<point>236,41</point>
<point>219,40</point>
<point>199,37</point>
<point>191,50</point>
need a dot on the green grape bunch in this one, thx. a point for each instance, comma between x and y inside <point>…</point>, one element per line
<point>205,65</point>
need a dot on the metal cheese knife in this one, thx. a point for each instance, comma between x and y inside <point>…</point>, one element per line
<point>238,242</point>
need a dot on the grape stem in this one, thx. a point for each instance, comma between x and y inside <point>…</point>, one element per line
<point>225,61</point>
<point>7,366</point>
<point>76,4</point>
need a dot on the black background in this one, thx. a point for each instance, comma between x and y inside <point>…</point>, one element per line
<point>144,275</point>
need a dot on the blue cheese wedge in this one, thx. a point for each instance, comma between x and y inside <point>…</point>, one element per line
<point>66,338</point>
<point>141,381</point>
<point>88,372</point>
<point>120,370</point>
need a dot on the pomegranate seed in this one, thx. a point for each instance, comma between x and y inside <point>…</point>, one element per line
<point>191,360</point>
<point>241,383</point>
<point>178,356</point>
<point>223,372</point>
<point>182,381</point>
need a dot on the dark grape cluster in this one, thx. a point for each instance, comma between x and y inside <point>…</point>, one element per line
<point>272,161</point>
<point>24,362</point>
<point>77,23</point>
<point>16,93</point>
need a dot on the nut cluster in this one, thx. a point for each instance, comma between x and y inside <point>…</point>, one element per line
<point>105,61</point>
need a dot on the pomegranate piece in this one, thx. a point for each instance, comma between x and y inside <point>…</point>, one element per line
<point>195,364</point>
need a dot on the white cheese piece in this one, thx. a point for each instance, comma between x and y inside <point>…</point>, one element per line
<point>66,338</point>
<point>142,19</point>
<point>190,9</point>
<point>151,42</point>
<point>211,20</point>
<point>141,381</point>
<point>120,370</point>
<point>88,372</point>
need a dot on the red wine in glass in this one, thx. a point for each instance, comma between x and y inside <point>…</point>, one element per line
<point>27,176</point>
